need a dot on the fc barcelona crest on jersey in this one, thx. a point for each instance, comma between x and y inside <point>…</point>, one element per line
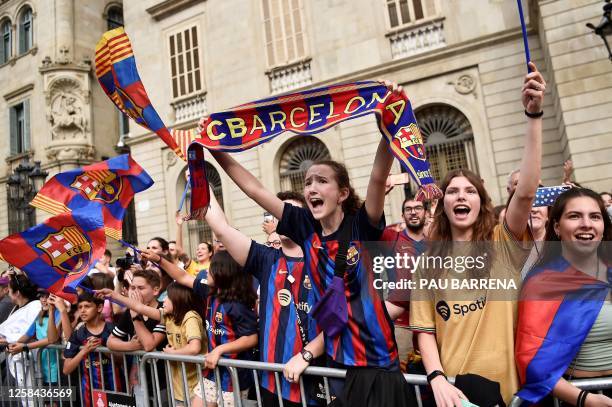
<point>411,141</point>
<point>69,250</point>
<point>103,186</point>
<point>218,317</point>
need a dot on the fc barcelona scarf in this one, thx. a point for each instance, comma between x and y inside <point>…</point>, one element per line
<point>310,112</point>
<point>558,307</point>
<point>59,253</point>
<point>107,187</point>
<point>118,75</point>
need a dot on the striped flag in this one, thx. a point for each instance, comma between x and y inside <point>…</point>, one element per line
<point>183,138</point>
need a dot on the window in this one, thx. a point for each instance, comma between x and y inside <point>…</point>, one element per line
<point>449,140</point>
<point>284,31</point>
<point>185,62</point>
<point>20,127</point>
<point>406,11</point>
<point>5,50</point>
<point>199,231</point>
<point>114,17</point>
<point>26,38</point>
<point>297,157</point>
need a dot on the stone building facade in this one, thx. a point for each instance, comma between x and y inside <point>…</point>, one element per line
<point>52,109</point>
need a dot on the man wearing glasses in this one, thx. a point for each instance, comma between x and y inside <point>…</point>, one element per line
<point>409,241</point>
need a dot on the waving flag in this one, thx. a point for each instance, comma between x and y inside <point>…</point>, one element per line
<point>558,307</point>
<point>311,112</point>
<point>183,138</point>
<point>110,184</point>
<point>58,254</point>
<point>117,73</point>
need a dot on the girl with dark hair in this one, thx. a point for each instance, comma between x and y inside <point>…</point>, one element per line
<point>231,322</point>
<point>367,339</point>
<point>565,314</point>
<point>480,341</point>
<point>184,328</point>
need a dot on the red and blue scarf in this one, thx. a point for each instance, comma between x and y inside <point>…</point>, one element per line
<point>559,305</point>
<point>307,113</point>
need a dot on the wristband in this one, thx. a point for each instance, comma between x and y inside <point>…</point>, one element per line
<point>580,401</point>
<point>534,115</point>
<point>25,347</point>
<point>138,318</point>
<point>435,374</point>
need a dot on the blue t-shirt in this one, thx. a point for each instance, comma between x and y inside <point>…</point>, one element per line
<point>280,336</point>
<point>226,322</point>
<point>368,338</point>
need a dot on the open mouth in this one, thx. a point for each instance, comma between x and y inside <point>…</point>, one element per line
<point>461,210</point>
<point>585,236</point>
<point>316,202</point>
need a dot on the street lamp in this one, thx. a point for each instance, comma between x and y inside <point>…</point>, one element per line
<point>604,28</point>
<point>21,187</point>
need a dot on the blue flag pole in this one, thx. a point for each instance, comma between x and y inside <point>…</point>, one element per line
<point>184,195</point>
<point>524,30</point>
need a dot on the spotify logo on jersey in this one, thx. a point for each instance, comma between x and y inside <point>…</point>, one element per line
<point>284,297</point>
<point>443,309</point>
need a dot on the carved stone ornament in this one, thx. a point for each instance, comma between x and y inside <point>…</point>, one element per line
<point>66,111</point>
<point>464,84</point>
<point>171,158</point>
<point>70,152</point>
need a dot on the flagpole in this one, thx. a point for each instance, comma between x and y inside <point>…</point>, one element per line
<point>184,195</point>
<point>524,31</point>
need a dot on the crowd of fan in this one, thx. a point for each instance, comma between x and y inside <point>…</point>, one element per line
<point>227,301</point>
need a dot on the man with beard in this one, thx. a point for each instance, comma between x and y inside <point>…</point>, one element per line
<point>409,241</point>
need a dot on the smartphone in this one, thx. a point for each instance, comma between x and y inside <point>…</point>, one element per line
<point>399,179</point>
<point>268,217</point>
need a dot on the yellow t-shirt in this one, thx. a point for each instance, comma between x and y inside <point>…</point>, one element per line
<point>191,327</point>
<point>475,329</point>
<point>194,267</point>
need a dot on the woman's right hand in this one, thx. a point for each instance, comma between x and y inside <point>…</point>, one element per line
<point>446,394</point>
<point>104,293</point>
<point>150,255</point>
<point>597,400</point>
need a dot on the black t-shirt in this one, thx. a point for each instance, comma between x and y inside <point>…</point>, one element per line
<point>124,329</point>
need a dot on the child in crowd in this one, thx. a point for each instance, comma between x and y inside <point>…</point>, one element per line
<point>231,321</point>
<point>184,328</point>
<point>68,319</point>
<point>93,333</point>
<point>38,331</point>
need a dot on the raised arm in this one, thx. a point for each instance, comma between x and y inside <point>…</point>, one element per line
<point>132,304</point>
<point>519,207</point>
<point>249,184</point>
<point>172,269</point>
<point>235,242</point>
<point>377,186</point>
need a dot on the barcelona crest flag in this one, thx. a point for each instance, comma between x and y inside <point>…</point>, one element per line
<point>118,75</point>
<point>59,253</point>
<point>110,185</point>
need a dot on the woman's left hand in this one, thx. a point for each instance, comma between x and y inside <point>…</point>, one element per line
<point>169,349</point>
<point>211,359</point>
<point>533,90</point>
<point>294,368</point>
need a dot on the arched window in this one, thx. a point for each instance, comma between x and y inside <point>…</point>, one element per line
<point>199,231</point>
<point>6,32</point>
<point>297,157</point>
<point>26,36</point>
<point>114,17</point>
<point>449,140</point>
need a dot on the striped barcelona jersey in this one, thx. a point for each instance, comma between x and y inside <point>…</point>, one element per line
<point>368,339</point>
<point>226,322</point>
<point>284,289</point>
<point>96,365</point>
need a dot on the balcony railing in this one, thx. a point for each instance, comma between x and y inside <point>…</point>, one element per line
<point>289,77</point>
<point>190,109</point>
<point>416,39</point>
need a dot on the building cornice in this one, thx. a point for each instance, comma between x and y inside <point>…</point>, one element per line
<point>168,7</point>
<point>14,93</point>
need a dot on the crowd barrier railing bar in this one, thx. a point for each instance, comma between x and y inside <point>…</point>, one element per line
<point>26,369</point>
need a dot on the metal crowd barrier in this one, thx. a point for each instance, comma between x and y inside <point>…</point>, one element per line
<point>26,370</point>
<point>596,384</point>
